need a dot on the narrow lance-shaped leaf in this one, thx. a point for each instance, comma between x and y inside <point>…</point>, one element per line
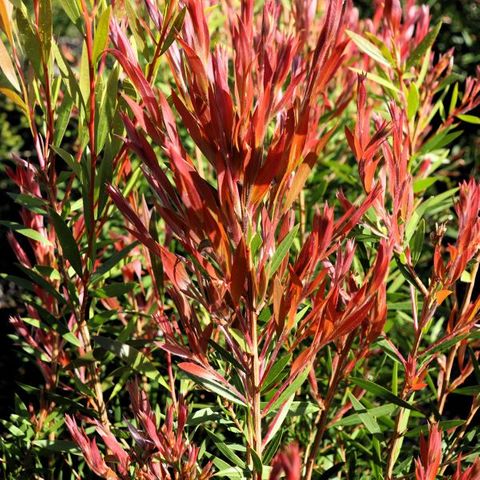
<point>101,34</point>
<point>67,242</point>
<point>423,46</point>
<point>7,66</point>
<point>368,47</point>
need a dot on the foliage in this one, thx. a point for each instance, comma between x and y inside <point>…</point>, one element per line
<point>243,250</point>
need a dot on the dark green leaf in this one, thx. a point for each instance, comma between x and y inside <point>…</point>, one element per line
<point>382,392</point>
<point>67,242</point>
<point>423,46</point>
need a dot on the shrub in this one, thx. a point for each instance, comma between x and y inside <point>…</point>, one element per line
<point>255,227</point>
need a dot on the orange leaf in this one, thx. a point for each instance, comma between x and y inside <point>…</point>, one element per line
<point>441,295</point>
<point>5,14</point>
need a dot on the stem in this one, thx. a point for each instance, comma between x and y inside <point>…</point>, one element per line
<point>396,438</point>
<point>446,378</point>
<point>321,422</point>
<point>255,392</point>
<point>93,368</point>
<point>91,126</point>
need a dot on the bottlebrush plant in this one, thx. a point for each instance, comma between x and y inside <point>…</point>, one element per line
<point>246,248</point>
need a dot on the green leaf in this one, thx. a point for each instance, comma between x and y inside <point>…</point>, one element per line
<point>382,392</point>
<point>69,160</point>
<point>291,389</point>
<point>453,99</point>
<point>276,371</point>
<point>71,338</point>
<point>422,184</point>
<point>215,387</point>
<point>64,110</point>
<point>29,40</point>
<point>413,101</point>
<point>367,419</point>
<point>101,34</point>
<point>471,390</point>
<point>113,290</point>
<point>442,199</point>
<point>368,47</point>
<point>64,446</point>
<point>67,242</point>
<point>72,9</point>
<point>45,26</point>
<point>376,79</point>
<point>376,412</point>
<point>469,119</point>
<point>136,360</point>
<point>232,473</point>
<point>84,80</point>
<point>417,241</point>
<point>423,46</point>
<point>226,450</point>
<point>226,355</point>
<point>27,232</point>
<point>439,141</point>
<point>282,251</point>
<point>176,27</point>
<point>112,261</point>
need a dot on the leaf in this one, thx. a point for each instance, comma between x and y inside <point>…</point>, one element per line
<point>232,473</point>
<point>439,141</point>
<point>63,117</point>
<point>177,27</point>
<point>5,17</point>
<point>72,10</point>
<point>69,160</point>
<point>7,67</point>
<point>289,391</point>
<point>226,355</point>
<point>376,79</point>
<point>471,390</point>
<point>413,101</point>
<point>382,392</point>
<point>422,184</point>
<point>210,382</point>
<point>427,205</point>
<point>226,450</point>
<point>67,242</point>
<point>27,232</point>
<point>10,94</point>
<point>101,34</point>
<point>112,261</point>
<point>441,295</point>
<point>113,290</point>
<point>368,47</point>
<point>71,338</point>
<point>135,359</point>
<point>367,419</point>
<point>469,119</point>
<point>276,371</point>
<point>278,420</point>
<point>416,243</point>
<point>376,412</point>
<point>84,80</point>
<point>423,46</point>
<point>29,40</point>
<point>281,251</point>
<point>64,446</point>
<point>45,26</point>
